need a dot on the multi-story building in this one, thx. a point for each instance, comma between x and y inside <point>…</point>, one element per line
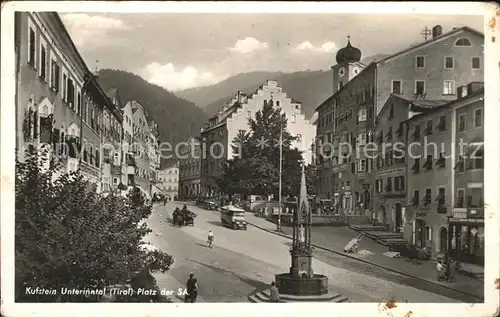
<point>129,165</point>
<point>189,170</point>
<point>224,127</point>
<point>169,181</point>
<point>439,145</point>
<point>389,196</point>
<point>58,100</point>
<point>111,140</point>
<point>141,139</point>
<point>346,121</point>
<point>154,151</point>
<point>467,221</point>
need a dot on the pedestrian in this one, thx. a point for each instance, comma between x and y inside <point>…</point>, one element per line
<point>275,294</point>
<point>452,267</point>
<point>192,289</point>
<point>440,271</point>
<point>210,239</point>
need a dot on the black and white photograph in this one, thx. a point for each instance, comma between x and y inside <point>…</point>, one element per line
<point>167,154</point>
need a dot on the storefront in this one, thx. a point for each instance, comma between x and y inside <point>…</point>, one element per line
<point>467,237</point>
<point>425,228</point>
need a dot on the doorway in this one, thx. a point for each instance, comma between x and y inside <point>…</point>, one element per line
<point>399,217</point>
<point>420,233</point>
<point>381,215</point>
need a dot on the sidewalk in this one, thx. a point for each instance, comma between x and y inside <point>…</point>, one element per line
<point>335,238</point>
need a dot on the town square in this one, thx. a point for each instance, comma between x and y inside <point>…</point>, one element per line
<point>163,158</point>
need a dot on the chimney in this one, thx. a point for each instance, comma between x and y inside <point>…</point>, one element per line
<point>239,96</point>
<point>437,31</point>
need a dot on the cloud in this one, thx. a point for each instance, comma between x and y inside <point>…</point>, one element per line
<point>248,45</point>
<point>169,78</point>
<point>327,47</point>
<point>91,30</point>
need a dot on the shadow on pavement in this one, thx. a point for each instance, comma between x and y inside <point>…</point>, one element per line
<point>216,223</point>
<point>252,282</point>
<point>202,244</point>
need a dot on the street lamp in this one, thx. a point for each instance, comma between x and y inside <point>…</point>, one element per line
<point>280,171</point>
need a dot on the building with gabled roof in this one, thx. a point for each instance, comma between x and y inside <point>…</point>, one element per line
<point>224,127</point>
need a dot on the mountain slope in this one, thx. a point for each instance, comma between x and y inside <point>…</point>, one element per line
<point>203,96</point>
<point>177,118</point>
<point>309,87</point>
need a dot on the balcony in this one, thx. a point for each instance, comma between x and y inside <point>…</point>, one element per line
<point>394,193</point>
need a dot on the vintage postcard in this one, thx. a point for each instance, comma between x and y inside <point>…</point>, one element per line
<point>219,158</point>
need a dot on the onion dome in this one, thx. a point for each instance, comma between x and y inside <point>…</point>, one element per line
<point>348,53</point>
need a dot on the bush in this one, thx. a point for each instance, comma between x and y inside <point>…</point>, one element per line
<point>68,236</point>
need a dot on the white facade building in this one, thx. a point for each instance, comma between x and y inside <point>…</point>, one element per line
<point>225,126</point>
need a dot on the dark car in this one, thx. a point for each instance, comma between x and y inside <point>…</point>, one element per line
<point>211,205</point>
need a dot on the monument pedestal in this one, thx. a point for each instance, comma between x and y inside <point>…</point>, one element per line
<point>263,297</point>
<point>300,283</point>
<point>302,286</point>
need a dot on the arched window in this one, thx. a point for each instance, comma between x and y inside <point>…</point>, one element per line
<point>91,154</point>
<point>85,151</point>
<point>463,42</point>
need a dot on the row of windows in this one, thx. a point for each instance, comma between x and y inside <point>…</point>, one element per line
<point>463,164</point>
<point>141,172</point>
<point>441,124</point>
<point>466,198</point>
<point>396,184</point>
<point>169,180</point>
<point>427,198</point>
<point>478,120</point>
<point>51,72</point>
<point>362,97</point>
<point>448,62</point>
<point>449,87</point>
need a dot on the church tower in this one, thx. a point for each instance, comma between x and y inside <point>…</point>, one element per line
<point>348,65</point>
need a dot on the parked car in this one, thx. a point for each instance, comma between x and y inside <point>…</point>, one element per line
<point>211,205</point>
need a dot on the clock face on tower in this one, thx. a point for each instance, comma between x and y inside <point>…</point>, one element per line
<point>341,71</point>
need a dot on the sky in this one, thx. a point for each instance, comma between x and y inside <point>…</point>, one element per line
<point>185,50</point>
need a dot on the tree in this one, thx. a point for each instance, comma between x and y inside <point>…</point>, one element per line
<point>68,236</point>
<point>256,169</point>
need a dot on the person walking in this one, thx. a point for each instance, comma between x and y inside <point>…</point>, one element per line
<point>452,268</point>
<point>440,271</point>
<point>192,289</point>
<point>275,294</point>
<point>210,238</point>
